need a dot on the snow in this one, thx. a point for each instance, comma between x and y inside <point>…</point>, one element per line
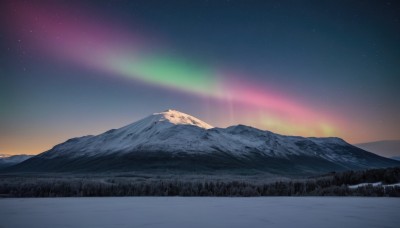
<point>200,212</point>
<point>392,185</point>
<point>377,184</point>
<point>365,184</point>
<point>176,132</point>
<point>328,140</point>
<point>177,117</point>
<point>134,136</point>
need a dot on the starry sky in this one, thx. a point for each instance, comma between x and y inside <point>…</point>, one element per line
<point>309,68</point>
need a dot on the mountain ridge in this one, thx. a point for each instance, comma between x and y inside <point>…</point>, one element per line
<point>175,140</point>
<point>386,148</point>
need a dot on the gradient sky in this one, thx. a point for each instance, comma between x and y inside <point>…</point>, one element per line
<point>310,68</point>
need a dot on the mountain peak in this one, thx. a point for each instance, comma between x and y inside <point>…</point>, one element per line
<point>172,110</point>
<point>177,117</point>
<point>174,140</point>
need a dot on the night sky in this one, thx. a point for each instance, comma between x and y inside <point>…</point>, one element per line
<point>309,68</point>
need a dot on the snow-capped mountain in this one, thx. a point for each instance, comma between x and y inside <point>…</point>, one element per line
<point>7,160</point>
<point>175,140</point>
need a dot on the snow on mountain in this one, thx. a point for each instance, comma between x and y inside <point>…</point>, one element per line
<point>151,132</point>
<point>172,136</point>
<point>173,131</point>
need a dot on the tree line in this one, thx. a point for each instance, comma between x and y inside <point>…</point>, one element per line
<point>333,184</point>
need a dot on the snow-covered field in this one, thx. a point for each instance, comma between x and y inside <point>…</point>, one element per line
<point>200,212</point>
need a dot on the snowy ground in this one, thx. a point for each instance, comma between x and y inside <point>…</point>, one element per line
<point>377,184</point>
<point>200,212</point>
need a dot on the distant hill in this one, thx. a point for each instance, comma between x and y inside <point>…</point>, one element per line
<point>386,148</point>
<point>10,160</point>
<point>396,158</point>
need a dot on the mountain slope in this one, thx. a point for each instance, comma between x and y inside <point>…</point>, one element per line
<point>172,140</point>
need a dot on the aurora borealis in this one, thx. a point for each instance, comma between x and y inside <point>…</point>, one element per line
<point>296,68</point>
